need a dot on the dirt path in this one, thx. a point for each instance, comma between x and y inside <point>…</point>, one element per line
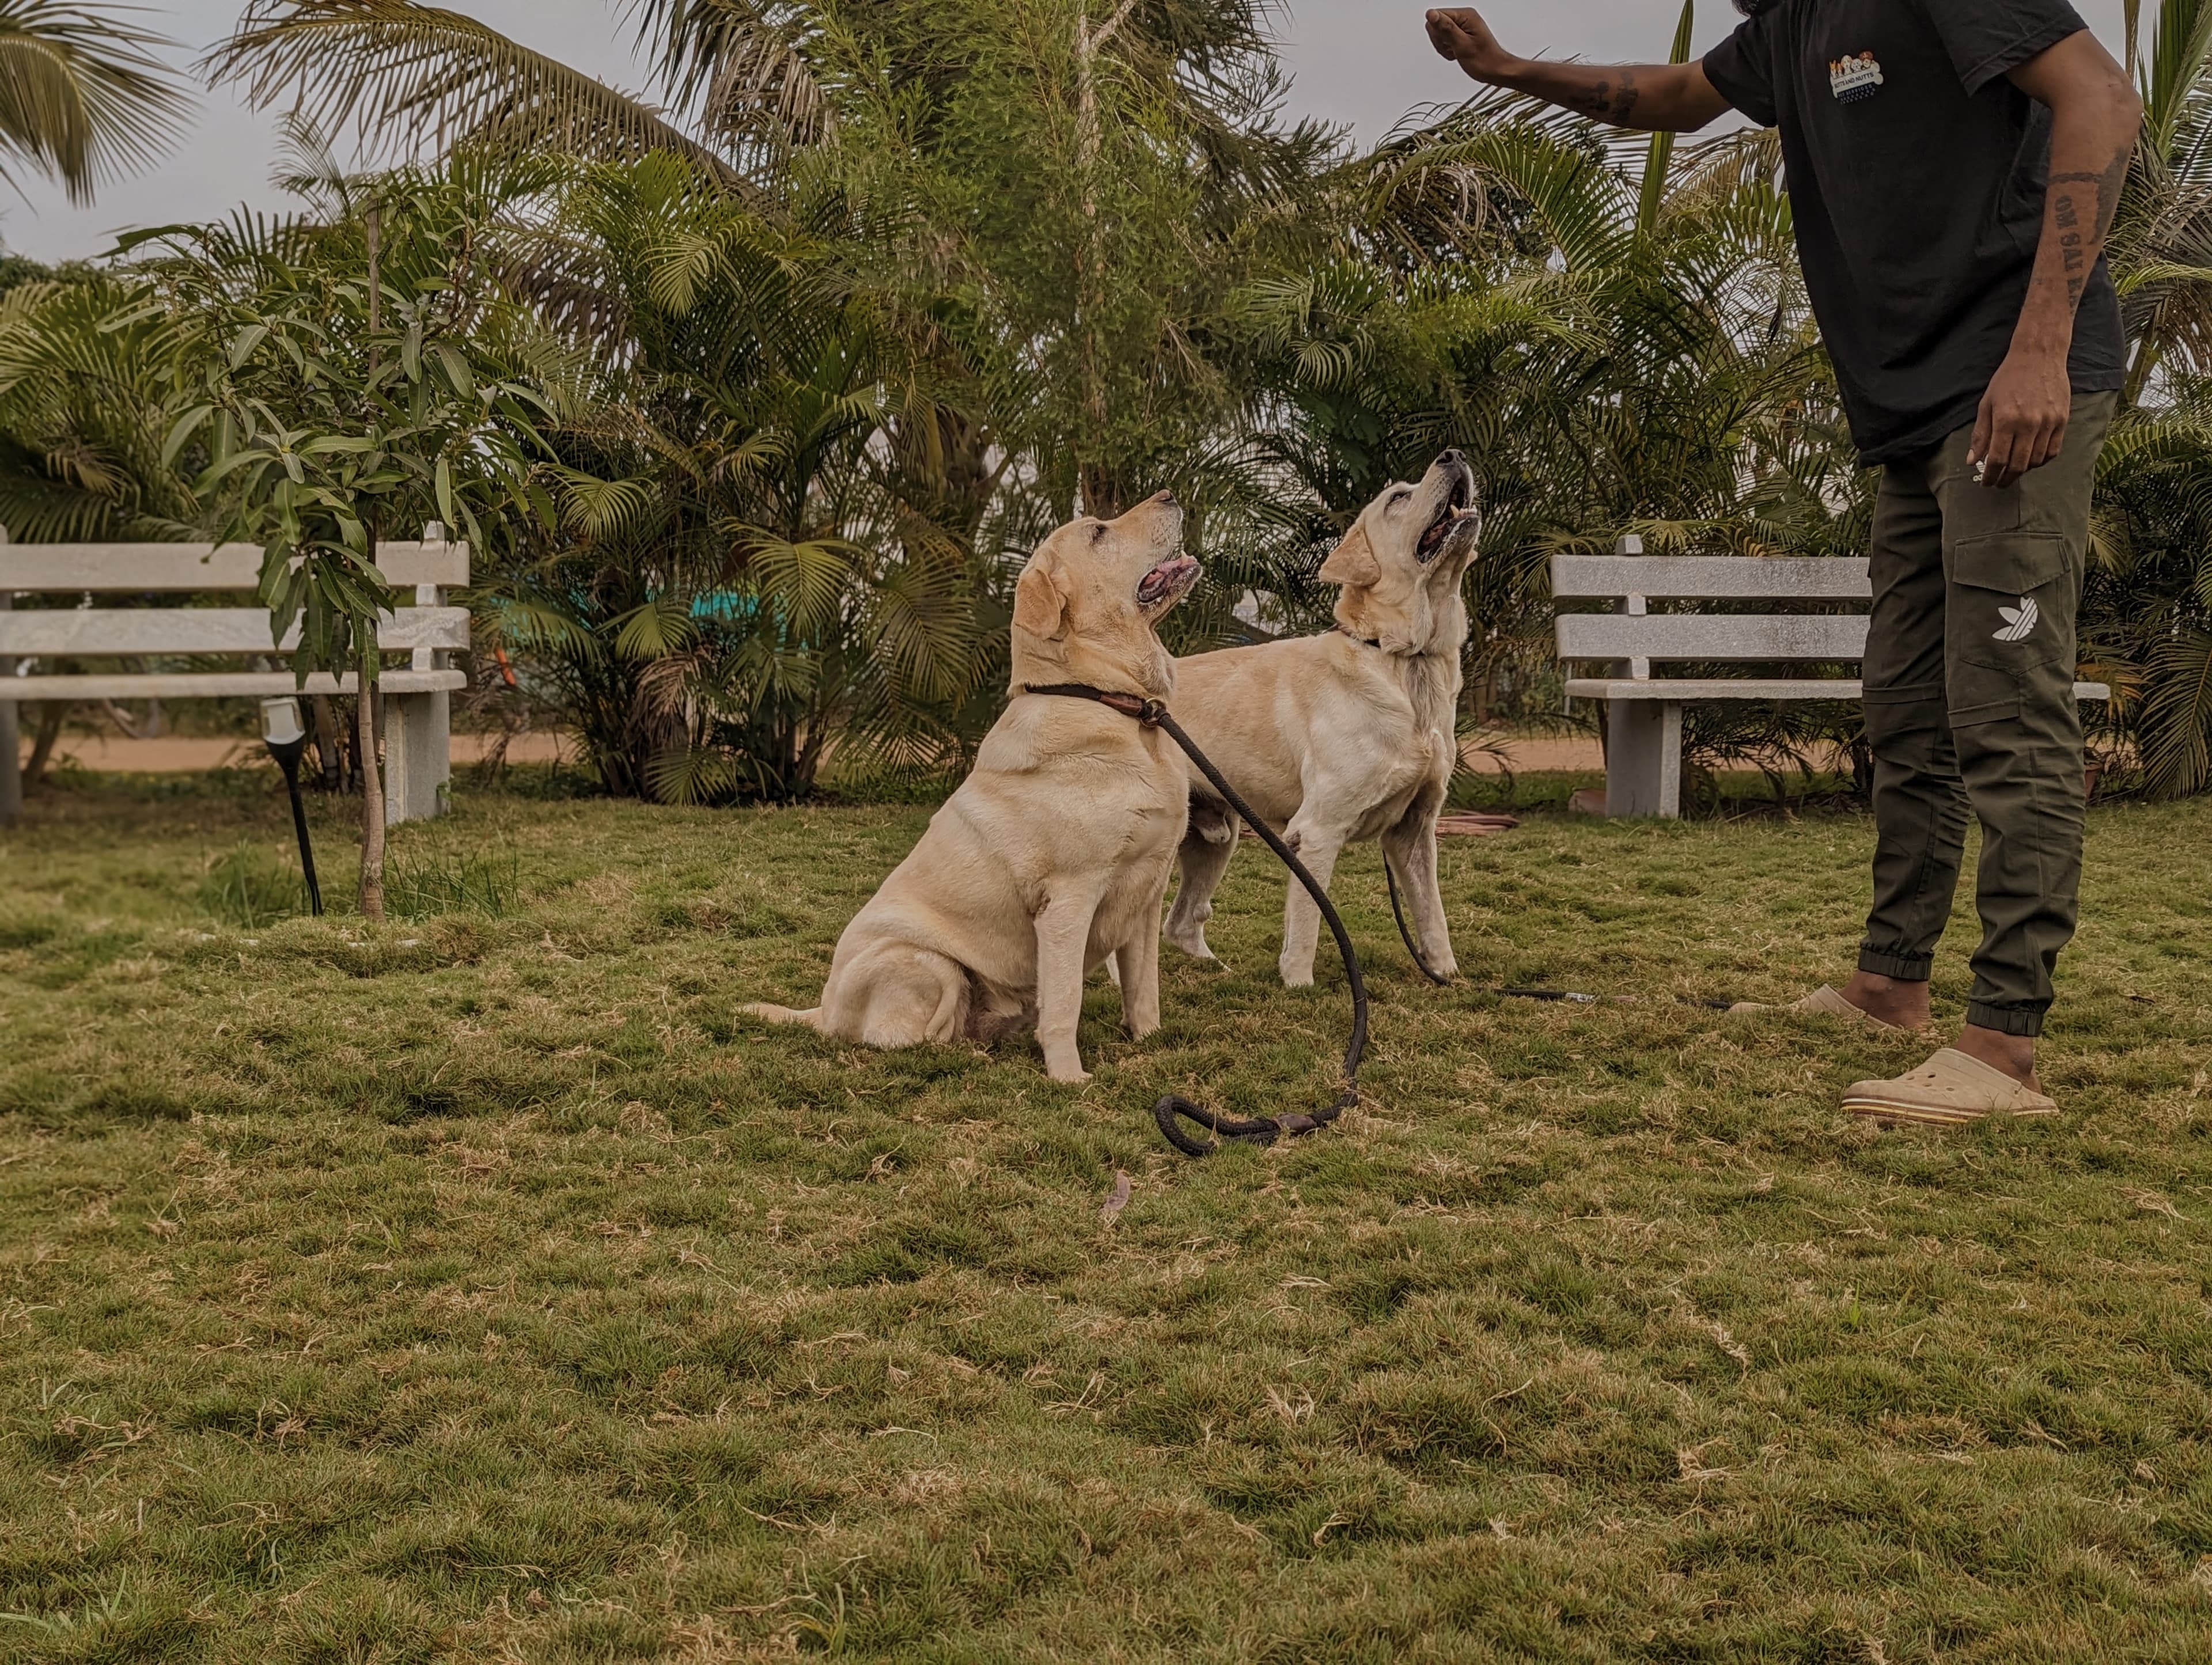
<point>1537,755</point>
<point>112,755</point>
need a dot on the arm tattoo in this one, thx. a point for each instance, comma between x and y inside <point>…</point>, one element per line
<point>1624,101</point>
<point>1604,101</point>
<point>2109,185</point>
<point>2068,210</point>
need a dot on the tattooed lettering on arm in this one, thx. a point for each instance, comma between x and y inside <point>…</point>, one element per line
<point>2078,243</point>
<point>2108,183</point>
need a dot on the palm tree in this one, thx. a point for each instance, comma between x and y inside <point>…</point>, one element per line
<point>2147,622</point>
<point>84,99</point>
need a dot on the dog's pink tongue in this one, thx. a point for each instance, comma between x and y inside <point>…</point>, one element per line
<point>1164,577</point>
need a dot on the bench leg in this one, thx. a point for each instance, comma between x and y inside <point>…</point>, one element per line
<point>417,756</point>
<point>1643,758</point>
<point>11,763</point>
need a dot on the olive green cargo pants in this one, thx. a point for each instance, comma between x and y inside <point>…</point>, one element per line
<point>1970,671</point>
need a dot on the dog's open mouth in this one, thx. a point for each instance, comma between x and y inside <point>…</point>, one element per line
<point>1166,581</point>
<point>1458,510</point>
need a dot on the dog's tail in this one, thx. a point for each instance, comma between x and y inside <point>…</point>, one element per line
<point>784,1014</point>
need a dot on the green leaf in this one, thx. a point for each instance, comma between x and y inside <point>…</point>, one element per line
<point>457,373</point>
<point>242,344</point>
<point>180,436</point>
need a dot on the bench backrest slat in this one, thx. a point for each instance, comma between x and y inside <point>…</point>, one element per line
<point>57,633</point>
<point>1710,578</point>
<point>1711,636</point>
<point>145,568</point>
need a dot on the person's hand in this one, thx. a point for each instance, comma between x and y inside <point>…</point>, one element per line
<point>2022,423</point>
<point>1459,33</point>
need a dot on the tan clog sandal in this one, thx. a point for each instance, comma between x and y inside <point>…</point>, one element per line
<point>1949,1091</point>
<point>1825,1002</point>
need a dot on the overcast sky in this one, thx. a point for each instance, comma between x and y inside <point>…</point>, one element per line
<point>1363,63</point>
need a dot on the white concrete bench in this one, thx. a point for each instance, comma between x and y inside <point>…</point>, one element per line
<point>416,691</point>
<point>1643,713</point>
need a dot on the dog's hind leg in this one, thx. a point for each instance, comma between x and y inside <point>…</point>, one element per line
<point>1206,849</point>
<point>896,994</point>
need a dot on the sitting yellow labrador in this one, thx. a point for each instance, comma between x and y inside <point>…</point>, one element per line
<point>1348,736</point>
<point>1053,857</point>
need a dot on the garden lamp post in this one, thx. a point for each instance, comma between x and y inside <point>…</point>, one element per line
<point>282,733</point>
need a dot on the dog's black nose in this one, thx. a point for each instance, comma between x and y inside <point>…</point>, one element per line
<point>1167,500</point>
<point>1454,459</point>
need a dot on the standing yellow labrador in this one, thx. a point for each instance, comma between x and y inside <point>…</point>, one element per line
<point>1053,857</point>
<point>1348,736</point>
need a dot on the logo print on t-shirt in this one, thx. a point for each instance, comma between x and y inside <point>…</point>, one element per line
<point>2019,622</point>
<point>1855,78</point>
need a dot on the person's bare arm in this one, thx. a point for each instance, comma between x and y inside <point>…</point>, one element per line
<point>1652,98</point>
<point>2094,117</point>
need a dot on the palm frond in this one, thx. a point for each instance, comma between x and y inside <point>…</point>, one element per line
<point>84,99</point>
<point>398,73</point>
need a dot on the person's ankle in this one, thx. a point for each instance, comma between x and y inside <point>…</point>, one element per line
<point>2014,1054</point>
<point>1892,999</point>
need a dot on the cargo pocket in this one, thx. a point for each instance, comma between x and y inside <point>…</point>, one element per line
<point>2011,605</point>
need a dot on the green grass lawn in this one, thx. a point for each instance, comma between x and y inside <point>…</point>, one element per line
<point>479,1286</point>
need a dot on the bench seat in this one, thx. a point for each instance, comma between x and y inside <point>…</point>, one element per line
<point>223,684</point>
<point>1693,689</point>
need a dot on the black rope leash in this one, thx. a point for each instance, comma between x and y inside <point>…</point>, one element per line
<point>1174,1108</point>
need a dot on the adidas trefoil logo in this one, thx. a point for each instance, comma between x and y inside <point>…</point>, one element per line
<point>2019,622</point>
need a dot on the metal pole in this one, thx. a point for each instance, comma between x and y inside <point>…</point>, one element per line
<point>287,755</point>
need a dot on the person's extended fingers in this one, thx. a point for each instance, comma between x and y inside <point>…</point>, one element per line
<point>1978,448</point>
<point>1996,450</point>
<point>2008,449</point>
<point>2054,442</point>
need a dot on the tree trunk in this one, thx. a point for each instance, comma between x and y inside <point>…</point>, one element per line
<point>372,779</point>
<point>1101,496</point>
<point>51,714</point>
<point>372,791</point>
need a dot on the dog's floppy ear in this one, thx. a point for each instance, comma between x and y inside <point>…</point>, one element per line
<point>1353,562</point>
<point>1040,604</point>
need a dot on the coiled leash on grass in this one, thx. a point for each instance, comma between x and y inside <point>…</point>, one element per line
<point>1172,1108</point>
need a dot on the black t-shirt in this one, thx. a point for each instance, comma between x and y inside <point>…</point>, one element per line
<point>1916,176</point>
